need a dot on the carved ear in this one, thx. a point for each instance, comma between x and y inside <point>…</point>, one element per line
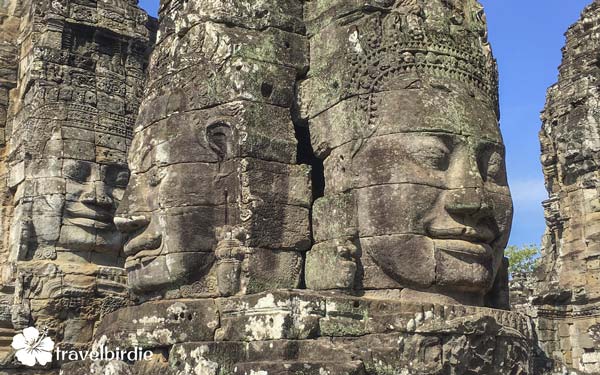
<point>219,137</point>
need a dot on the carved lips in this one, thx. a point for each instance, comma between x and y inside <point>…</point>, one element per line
<point>143,245</point>
<point>465,240</point>
<point>142,249</point>
<point>460,248</point>
<point>89,216</point>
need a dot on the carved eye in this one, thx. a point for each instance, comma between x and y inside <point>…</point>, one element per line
<point>219,139</point>
<point>77,170</point>
<point>117,176</point>
<point>433,153</point>
<point>491,166</point>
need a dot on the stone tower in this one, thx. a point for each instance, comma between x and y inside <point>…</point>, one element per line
<point>567,294</point>
<point>316,187</point>
<point>71,80</point>
<point>394,103</point>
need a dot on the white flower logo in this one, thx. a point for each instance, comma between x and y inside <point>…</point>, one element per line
<point>32,347</point>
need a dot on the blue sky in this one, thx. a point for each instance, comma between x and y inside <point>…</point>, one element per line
<point>527,37</point>
<point>151,6</point>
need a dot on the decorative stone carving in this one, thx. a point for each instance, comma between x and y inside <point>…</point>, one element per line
<point>207,255</point>
<point>216,204</point>
<point>399,105</point>
<point>402,103</point>
<point>567,293</point>
<point>79,85</point>
<point>314,333</point>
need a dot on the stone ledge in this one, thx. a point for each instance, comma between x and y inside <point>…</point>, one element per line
<point>299,331</point>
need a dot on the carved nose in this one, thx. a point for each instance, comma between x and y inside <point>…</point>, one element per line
<point>130,224</point>
<point>465,201</point>
<point>96,195</point>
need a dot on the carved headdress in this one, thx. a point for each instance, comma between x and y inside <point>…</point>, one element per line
<point>429,39</point>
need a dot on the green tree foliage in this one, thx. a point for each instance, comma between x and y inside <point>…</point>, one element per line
<point>522,259</point>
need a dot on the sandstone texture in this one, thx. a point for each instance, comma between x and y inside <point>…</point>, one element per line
<point>283,187</point>
<point>71,80</point>
<point>217,204</point>
<point>401,100</point>
<point>10,13</point>
<point>567,291</point>
<point>304,332</point>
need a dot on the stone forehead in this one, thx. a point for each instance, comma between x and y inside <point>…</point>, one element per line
<point>431,110</point>
<point>72,131</point>
<point>427,110</point>
<point>181,138</point>
<point>251,130</point>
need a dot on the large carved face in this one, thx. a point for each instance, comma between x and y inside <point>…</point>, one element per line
<point>433,204</point>
<point>74,177</point>
<point>179,170</point>
<point>93,192</point>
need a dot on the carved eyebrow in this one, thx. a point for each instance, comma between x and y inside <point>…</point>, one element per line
<point>443,138</point>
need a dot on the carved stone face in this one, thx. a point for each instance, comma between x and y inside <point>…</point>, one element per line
<point>74,178</point>
<point>93,192</point>
<point>434,208</point>
<point>175,200</point>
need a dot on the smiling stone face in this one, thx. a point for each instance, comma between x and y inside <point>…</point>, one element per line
<point>431,195</point>
<point>93,193</point>
<point>402,106</point>
<point>217,205</point>
<point>203,212</point>
<point>65,154</point>
<point>180,191</point>
<point>68,178</point>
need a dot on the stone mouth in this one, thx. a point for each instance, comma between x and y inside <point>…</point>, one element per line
<point>142,250</point>
<point>483,234</point>
<point>478,250</point>
<point>142,259</point>
<point>89,216</point>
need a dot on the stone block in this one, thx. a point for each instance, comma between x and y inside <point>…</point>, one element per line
<point>331,265</point>
<point>159,323</point>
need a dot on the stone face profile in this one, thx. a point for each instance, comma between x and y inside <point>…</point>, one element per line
<point>416,200</point>
<point>216,204</point>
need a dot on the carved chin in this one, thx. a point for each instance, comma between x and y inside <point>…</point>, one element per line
<point>80,238</point>
<point>167,272</point>
<point>423,263</point>
<point>144,277</point>
<point>458,274</point>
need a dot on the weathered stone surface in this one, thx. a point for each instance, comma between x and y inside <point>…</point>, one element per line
<point>566,296</point>
<point>77,78</point>
<point>218,107</point>
<point>10,13</point>
<point>299,332</point>
<point>392,103</point>
<point>157,324</point>
<point>401,100</point>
